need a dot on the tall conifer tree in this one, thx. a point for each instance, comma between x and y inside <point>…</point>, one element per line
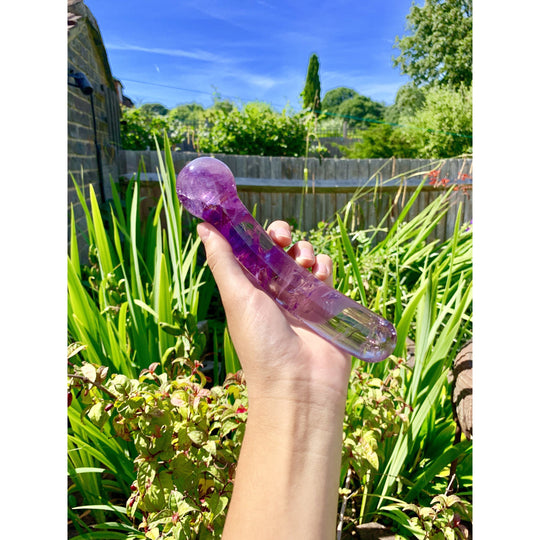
<point>312,88</point>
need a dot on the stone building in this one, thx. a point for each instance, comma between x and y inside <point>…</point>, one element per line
<point>99,107</point>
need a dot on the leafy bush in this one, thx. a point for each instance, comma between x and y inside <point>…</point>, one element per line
<point>186,441</point>
<point>254,130</point>
<point>442,128</point>
<point>381,141</point>
<point>432,123</point>
<point>189,114</point>
<point>139,128</point>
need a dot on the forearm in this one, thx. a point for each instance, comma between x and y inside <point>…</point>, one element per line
<point>287,480</point>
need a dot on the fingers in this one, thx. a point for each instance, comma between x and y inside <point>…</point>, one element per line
<point>322,269</point>
<point>228,274</point>
<point>302,252</point>
<point>280,232</point>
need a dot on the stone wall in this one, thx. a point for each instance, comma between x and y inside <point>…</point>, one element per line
<point>87,54</point>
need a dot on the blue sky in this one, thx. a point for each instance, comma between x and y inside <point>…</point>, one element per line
<point>250,50</point>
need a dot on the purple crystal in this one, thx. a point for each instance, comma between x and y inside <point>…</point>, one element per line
<point>206,188</point>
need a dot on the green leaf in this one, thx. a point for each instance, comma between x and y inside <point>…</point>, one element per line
<point>232,363</point>
<point>106,507</point>
<point>435,468</point>
<point>102,242</point>
<point>346,242</point>
<point>197,436</point>
<point>146,307</point>
<point>84,470</point>
<point>74,248</point>
<point>217,504</point>
<point>171,329</point>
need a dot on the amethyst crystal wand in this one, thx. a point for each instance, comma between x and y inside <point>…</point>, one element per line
<point>206,188</point>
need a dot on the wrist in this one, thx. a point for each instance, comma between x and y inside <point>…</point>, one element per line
<point>305,419</point>
<point>291,456</point>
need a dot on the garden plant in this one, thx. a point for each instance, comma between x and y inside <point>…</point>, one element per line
<point>156,399</point>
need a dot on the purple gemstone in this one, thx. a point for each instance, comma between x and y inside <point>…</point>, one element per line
<point>207,189</point>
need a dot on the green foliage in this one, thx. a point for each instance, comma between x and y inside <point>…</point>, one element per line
<point>139,127</point>
<point>424,286</point>
<point>443,127</point>
<point>335,97</point>
<point>186,439</point>
<point>312,89</point>
<point>432,123</point>
<point>189,114</point>
<point>140,277</point>
<point>375,411</point>
<point>154,109</point>
<point>438,47</point>
<point>183,438</point>
<point>254,130</point>
<point>409,100</point>
<point>381,141</point>
<point>358,111</point>
<point>223,105</point>
<point>441,520</point>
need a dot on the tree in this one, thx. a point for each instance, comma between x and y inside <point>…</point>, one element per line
<point>409,100</point>
<point>312,88</point>
<point>443,127</point>
<point>334,98</point>
<point>187,114</point>
<point>439,46</point>
<point>154,108</point>
<point>358,110</point>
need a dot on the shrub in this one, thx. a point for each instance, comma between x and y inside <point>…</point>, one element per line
<point>381,141</point>
<point>442,128</point>
<point>186,441</point>
<point>139,128</point>
<point>254,130</point>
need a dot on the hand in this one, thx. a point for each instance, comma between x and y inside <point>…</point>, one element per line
<point>286,483</point>
<point>272,346</point>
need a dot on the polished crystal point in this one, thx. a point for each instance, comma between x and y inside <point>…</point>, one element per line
<point>206,188</point>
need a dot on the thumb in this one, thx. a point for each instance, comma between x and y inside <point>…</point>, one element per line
<point>227,272</point>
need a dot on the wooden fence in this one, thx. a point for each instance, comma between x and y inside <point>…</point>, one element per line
<point>275,187</point>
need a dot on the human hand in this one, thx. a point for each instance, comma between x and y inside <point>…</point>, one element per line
<point>287,479</point>
<point>276,351</point>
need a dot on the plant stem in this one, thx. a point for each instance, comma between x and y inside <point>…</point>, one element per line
<point>364,497</point>
<point>343,505</point>
<point>87,380</point>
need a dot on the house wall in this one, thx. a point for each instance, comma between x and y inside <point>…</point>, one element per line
<point>86,53</point>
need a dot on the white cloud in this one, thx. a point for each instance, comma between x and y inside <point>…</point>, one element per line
<point>196,54</point>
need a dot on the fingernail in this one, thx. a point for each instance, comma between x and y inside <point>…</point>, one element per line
<point>203,231</point>
<point>305,253</point>
<point>283,233</point>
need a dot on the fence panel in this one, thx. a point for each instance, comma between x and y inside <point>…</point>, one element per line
<point>372,188</point>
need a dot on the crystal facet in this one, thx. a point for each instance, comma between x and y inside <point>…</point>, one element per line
<point>206,188</point>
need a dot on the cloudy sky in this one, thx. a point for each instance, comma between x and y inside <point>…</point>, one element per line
<point>182,51</point>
